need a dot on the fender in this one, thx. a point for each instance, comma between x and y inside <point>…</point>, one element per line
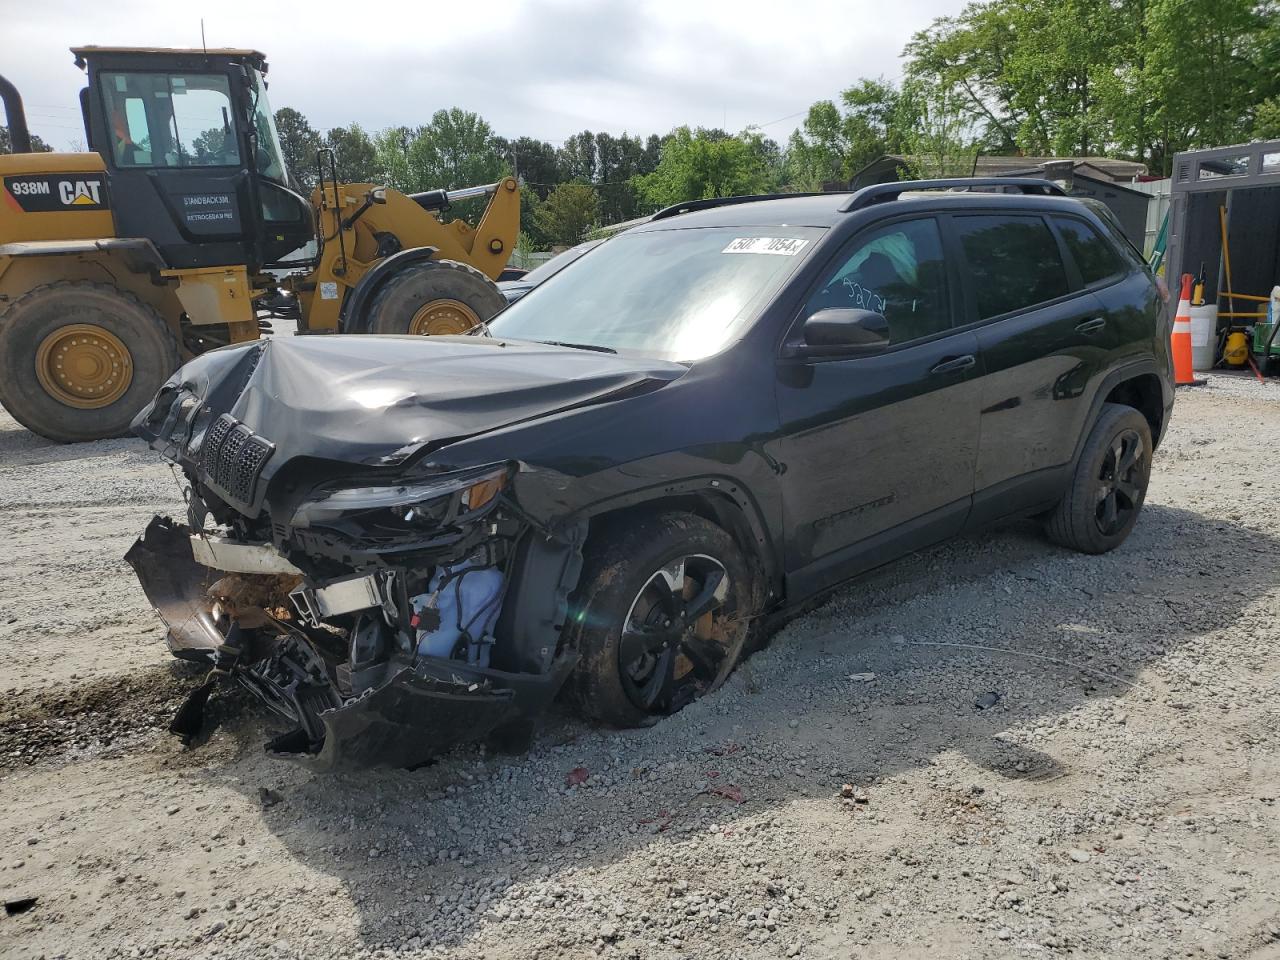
<point>731,502</point>
<point>139,255</point>
<point>1129,371</point>
<point>355,311</point>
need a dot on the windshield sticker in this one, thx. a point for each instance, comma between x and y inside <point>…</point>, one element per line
<point>779,246</point>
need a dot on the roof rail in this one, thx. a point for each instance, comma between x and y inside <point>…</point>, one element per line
<point>884,192</point>
<point>689,206</point>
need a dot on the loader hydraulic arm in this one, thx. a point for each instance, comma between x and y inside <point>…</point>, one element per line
<point>361,224</point>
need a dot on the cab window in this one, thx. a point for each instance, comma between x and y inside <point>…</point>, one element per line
<point>170,120</point>
<point>897,271</point>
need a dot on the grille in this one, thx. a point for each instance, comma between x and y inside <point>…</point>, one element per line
<point>253,454</point>
<point>213,441</point>
<point>234,457</point>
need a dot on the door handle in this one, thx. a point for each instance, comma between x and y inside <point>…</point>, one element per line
<point>954,364</point>
<point>1091,326</point>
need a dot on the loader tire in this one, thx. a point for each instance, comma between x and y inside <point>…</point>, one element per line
<point>79,359</point>
<point>434,298</point>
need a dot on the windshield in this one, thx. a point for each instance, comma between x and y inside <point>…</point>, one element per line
<point>557,263</point>
<point>673,294</point>
<point>270,162</point>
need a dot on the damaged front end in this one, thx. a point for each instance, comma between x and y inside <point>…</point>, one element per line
<point>351,558</point>
<point>384,612</point>
<point>390,665</point>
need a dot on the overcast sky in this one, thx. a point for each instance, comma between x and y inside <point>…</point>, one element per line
<point>542,68</point>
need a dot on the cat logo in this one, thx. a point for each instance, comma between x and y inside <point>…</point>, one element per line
<point>42,193</point>
<point>81,193</point>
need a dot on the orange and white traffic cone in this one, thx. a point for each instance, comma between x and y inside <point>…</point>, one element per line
<point>1183,376</point>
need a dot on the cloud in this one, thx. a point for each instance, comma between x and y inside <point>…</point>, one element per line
<point>543,68</point>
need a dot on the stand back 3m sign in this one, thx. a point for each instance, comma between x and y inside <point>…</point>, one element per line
<point>49,193</point>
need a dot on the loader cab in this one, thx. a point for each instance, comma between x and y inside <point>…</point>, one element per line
<point>192,155</point>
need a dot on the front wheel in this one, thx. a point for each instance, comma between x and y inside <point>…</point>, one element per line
<point>660,620</point>
<point>1109,485</point>
<point>434,298</point>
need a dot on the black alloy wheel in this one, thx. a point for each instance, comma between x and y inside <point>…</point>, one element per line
<point>668,652</point>
<point>1108,483</point>
<point>660,618</point>
<point>1121,482</point>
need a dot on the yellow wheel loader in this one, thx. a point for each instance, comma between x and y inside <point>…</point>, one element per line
<point>179,232</point>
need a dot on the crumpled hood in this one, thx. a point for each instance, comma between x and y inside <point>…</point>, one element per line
<point>376,400</point>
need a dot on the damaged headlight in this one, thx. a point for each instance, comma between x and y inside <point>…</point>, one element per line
<point>441,498</point>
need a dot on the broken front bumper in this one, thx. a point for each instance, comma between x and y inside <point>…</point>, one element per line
<point>409,708</point>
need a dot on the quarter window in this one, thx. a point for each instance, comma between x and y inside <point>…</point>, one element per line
<point>898,271</point>
<point>170,120</point>
<point>1014,262</point>
<point>1095,257</point>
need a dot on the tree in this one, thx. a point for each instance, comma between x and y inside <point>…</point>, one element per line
<point>530,218</point>
<point>611,163</point>
<point>391,153</point>
<point>299,142</point>
<point>1136,78</point>
<point>211,146</point>
<point>1266,121</point>
<point>568,213</point>
<point>937,131</point>
<point>37,145</point>
<point>835,142</point>
<point>578,157</point>
<point>456,149</point>
<point>1203,91</point>
<point>700,163</point>
<point>534,162</point>
<point>816,152</point>
<point>356,156</point>
<point>967,55</point>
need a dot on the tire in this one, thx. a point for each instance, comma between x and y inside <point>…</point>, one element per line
<point>437,297</point>
<point>618,582</point>
<point>1100,509</point>
<point>106,329</point>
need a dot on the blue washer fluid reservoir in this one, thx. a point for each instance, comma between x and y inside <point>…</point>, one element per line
<point>468,600</point>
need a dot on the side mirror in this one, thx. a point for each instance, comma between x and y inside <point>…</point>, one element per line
<point>838,331</point>
<point>378,195</point>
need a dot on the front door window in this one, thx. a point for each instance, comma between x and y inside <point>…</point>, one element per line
<point>895,270</point>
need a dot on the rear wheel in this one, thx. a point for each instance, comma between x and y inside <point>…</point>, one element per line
<point>78,360</point>
<point>661,618</point>
<point>434,298</point>
<point>1109,485</point>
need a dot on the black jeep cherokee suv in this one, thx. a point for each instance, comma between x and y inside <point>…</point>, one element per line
<point>399,543</point>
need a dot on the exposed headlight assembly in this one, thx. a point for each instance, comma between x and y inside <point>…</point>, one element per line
<point>440,498</point>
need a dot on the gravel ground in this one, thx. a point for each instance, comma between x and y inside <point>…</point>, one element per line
<point>992,749</point>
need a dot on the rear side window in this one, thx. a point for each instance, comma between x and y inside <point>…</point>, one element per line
<point>1093,253</point>
<point>1014,262</point>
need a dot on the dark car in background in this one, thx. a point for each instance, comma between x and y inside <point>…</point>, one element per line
<point>517,287</point>
<point>400,543</point>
